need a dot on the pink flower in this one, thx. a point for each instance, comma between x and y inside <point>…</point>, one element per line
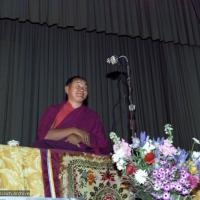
<point>122,149</point>
<point>130,169</point>
<point>167,149</point>
<point>193,181</point>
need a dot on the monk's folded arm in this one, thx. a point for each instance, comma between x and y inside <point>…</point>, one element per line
<point>58,134</point>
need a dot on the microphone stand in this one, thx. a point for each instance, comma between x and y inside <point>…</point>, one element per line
<point>131,106</point>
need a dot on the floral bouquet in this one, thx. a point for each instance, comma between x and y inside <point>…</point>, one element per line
<point>155,169</point>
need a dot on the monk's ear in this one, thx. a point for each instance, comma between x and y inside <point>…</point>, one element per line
<point>66,89</point>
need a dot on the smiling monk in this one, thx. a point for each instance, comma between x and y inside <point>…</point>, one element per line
<point>72,125</point>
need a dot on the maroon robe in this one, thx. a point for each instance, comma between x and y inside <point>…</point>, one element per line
<point>82,118</point>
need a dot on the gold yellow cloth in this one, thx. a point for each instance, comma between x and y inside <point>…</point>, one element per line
<point>20,169</point>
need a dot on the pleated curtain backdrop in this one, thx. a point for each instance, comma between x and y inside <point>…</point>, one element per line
<point>35,61</point>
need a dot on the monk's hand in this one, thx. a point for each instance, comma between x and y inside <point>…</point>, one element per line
<point>85,138</point>
<point>74,139</point>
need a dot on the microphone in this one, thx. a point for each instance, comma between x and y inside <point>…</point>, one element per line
<point>115,75</point>
<point>123,60</point>
<point>117,59</point>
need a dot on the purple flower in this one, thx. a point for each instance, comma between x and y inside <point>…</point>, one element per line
<point>162,177</point>
<point>178,187</point>
<point>187,184</point>
<point>182,181</point>
<point>159,141</point>
<point>183,171</point>
<point>142,138</point>
<point>185,191</point>
<point>157,155</point>
<point>163,162</point>
<point>166,188</point>
<point>172,185</point>
<point>167,171</point>
<point>159,175</point>
<point>155,172</point>
<point>184,176</point>
<point>161,170</point>
<point>166,196</point>
<point>158,183</point>
<point>161,184</point>
<point>167,149</point>
<point>157,187</point>
<point>173,169</point>
<point>198,165</point>
<point>156,196</point>
<point>181,157</point>
<point>165,182</point>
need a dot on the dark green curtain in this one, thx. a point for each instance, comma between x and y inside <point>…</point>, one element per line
<point>35,61</point>
<point>164,20</point>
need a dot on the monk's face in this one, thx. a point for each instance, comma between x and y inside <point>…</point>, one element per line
<point>77,91</point>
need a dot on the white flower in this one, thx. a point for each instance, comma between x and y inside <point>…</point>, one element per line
<point>141,176</point>
<point>148,146</point>
<point>156,187</point>
<point>114,138</point>
<point>122,149</point>
<point>121,164</point>
<point>112,135</point>
<point>196,140</point>
<point>119,154</point>
<point>195,156</point>
<point>115,157</point>
<point>135,142</point>
<point>168,129</point>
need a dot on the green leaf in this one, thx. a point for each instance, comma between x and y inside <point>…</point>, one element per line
<point>101,185</point>
<point>144,195</point>
<point>92,194</point>
<point>179,197</point>
<point>124,196</point>
<point>120,190</point>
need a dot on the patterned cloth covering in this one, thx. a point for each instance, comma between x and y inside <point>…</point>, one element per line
<point>90,177</point>
<point>55,173</point>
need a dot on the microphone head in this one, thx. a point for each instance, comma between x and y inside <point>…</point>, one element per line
<point>112,60</point>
